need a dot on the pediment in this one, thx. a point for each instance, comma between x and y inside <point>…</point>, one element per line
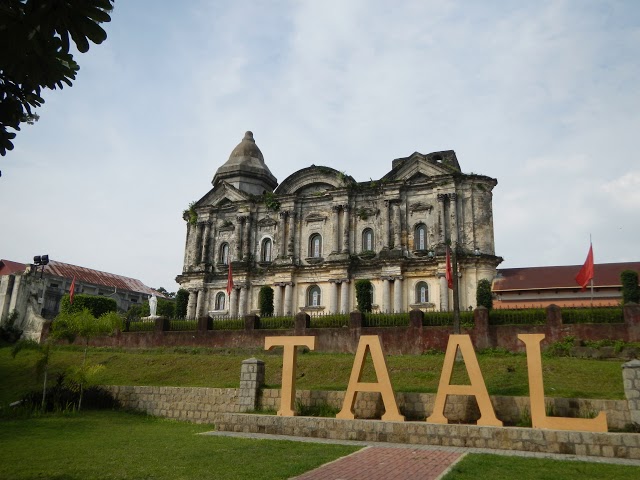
<point>266,222</point>
<point>420,168</point>
<point>223,196</point>
<point>315,217</point>
<point>420,207</point>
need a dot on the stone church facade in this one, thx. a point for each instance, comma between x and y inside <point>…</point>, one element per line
<point>316,233</point>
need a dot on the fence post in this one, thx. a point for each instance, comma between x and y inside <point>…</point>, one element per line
<point>631,381</point>
<point>554,323</point>
<point>631,312</point>
<point>481,327</point>
<point>251,322</point>
<point>162,324</point>
<point>355,320</point>
<point>415,319</point>
<point>203,323</point>
<point>302,322</point>
<point>251,381</point>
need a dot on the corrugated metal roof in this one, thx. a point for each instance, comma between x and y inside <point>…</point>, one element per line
<point>537,278</point>
<point>7,267</point>
<point>96,277</point>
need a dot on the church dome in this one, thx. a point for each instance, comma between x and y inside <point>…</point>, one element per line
<point>245,169</point>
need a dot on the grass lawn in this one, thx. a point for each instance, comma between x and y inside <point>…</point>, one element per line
<point>504,374</point>
<point>117,445</point>
<point>498,467</point>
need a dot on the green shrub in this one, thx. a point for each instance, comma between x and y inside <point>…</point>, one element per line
<point>484,298</point>
<point>97,305</point>
<point>523,316</point>
<point>9,333</point>
<point>592,315</point>
<point>364,289</point>
<point>182,300</point>
<point>630,289</point>
<point>266,301</point>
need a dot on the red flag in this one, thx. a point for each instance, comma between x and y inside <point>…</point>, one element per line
<point>448,275</point>
<point>586,272</point>
<point>72,290</point>
<point>229,280</point>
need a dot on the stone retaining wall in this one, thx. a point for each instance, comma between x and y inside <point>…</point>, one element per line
<point>619,445</point>
<point>200,404</point>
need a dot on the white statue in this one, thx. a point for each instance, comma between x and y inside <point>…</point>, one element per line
<point>153,305</point>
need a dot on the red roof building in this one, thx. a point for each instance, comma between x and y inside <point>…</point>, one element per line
<point>542,286</point>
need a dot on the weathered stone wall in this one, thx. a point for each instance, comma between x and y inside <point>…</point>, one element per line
<point>631,380</point>
<point>199,404</point>
<point>610,445</point>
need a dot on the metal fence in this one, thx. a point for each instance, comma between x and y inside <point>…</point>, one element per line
<point>226,323</point>
<point>592,315</point>
<point>442,319</point>
<point>330,320</point>
<point>524,316</point>
<point>385,320</point>
<point>142,325</point>
<point>182,325</point>
<point>276,323</point>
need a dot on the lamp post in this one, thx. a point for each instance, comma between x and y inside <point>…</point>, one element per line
<point>41,260</point>
<point>456,292</point>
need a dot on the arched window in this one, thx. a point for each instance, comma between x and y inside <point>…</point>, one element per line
<point>422,292</point>
<point>313,296</point>
<point>224,254</point>
<point>265,253</point>
<point>420,239</point>
<point>315,245</point>
<point>220,300</point>
<point>367,240</point>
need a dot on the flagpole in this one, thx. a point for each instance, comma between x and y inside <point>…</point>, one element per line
<point>594,269</point>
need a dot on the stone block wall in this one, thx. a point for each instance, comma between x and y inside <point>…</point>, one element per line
<point>631,380</point>
<point>610,445</point>
<point>200,404</point>
<point>197,405</point>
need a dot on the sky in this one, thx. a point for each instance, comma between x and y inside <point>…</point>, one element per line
<point>544,96</point>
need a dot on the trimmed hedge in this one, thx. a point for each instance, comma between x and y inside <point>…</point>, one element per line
<point>97,305</point>
<point>363,295</point>
<point>484,297</point>
<point>182,300</point>
<point>266,301</point>
<point>630,289</point>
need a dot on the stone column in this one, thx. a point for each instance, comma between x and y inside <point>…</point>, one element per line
<point>336,229</point>
<point>200,302</point>
<point>239,234</point>
<point>444,293</point>
<point>441,216</point>
<point>191,304</point>
<point>277,299</point>
<point>204,255</point>
<point>386,224</point>
<point>251,381</point>
<point>397,295</point>
<point>631,380</point>
<point>242,304</point>
<point>386,295</point>
<point>288,298</point>
<point>344,296</point>
<point>282,238</point>
<point>292,227</point>
<point>453,211</point>
<point>397,227</point>
<point>233,303</point>
<point>346,226</point>
<point>333,298</point>
<point>198,245</point>
<point>187,247</point>
<point>246,239</point>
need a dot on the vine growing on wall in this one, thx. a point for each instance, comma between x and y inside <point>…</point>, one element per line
<point>271,201</point>
<point>190,215</point>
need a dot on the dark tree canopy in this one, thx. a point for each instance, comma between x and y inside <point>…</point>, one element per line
<point>34,35</point>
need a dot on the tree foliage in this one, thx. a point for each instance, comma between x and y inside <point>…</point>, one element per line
<point>364,289</point>
<point>484,297</point>
<point>182,300</point>
<point>630,289</point>
<point>97,305</point>
<point>35,36</point>
<point>266,301</point>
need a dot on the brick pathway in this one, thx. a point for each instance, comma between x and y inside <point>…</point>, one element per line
<point>382,463</point>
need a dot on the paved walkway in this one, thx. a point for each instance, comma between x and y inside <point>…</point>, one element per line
<point>387,461</point>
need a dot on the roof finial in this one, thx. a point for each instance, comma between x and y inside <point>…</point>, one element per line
<point>248,136</point>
